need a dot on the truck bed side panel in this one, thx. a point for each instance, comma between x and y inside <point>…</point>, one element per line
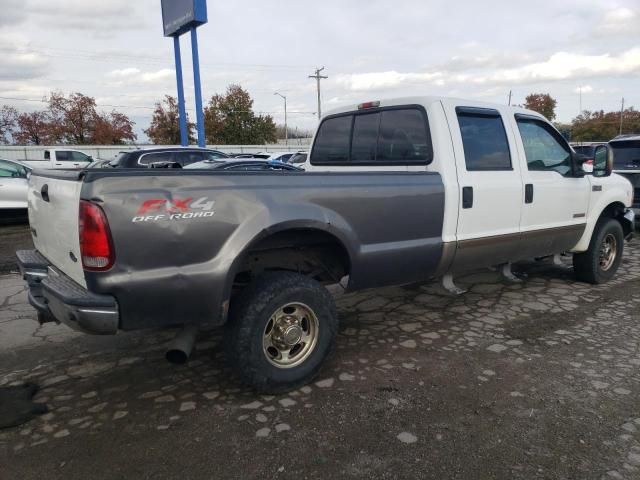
<point>174,270</point>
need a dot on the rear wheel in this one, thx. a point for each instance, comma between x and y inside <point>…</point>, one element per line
<point>601,261</point>
<point>280,330</point>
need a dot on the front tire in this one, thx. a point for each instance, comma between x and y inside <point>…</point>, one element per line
<point>601,261</point>
<point>280,329</point>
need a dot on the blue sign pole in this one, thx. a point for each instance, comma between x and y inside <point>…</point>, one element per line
<point>184,139</point>
<point>198,90</point>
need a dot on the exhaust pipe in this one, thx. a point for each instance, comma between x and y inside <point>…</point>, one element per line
<point>180,347</point>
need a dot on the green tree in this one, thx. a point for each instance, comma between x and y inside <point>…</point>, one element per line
<point>542,103</point>
<point>165,123</point>
<point>229,120</point>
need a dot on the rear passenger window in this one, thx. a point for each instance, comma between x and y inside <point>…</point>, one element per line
<point>403,137</point>
<point>365,137</point>
<point>332,142</point>
<point>149,158</point>
<point>383,137</point>
<point>484,139</point>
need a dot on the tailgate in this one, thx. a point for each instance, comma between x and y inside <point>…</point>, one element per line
<point>54,223</point>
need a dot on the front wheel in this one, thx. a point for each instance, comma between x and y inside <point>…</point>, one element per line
<point>280,330</point>
<point>601,261</point>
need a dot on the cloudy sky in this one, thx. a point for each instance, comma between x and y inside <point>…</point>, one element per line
<point>114,50</point>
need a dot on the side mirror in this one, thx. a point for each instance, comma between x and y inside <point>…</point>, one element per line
<point>602,161</point>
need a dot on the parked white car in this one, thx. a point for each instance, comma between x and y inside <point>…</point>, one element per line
<point>13,185</point>
<point>61,158</point>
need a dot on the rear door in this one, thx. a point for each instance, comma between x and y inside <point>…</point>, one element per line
<point>490,185</point>
<point>556,202</point>
<point>54,202</point>
<point>13,185</point>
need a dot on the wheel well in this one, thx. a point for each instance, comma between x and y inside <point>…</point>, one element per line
<point>616,210</point>
<point>312,252</point>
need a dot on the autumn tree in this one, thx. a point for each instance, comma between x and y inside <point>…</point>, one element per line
<point>73,118</point>
<point>603,126</point>
<point>33,128</point>
<point>229,120</point>
<point>8,116</point>
<point>114,128</point>
<point>542,103</point>
<point>165,123</point>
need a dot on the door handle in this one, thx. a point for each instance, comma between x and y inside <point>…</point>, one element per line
<point>528,193</point>
<point>467,197</point>
<point>44,192</point>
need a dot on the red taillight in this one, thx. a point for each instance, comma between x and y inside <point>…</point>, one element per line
<point>368,105</point>
<point>96,248</point>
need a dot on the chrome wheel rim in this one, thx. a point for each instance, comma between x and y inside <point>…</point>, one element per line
<point>608,252</point>
<point>291,335</point>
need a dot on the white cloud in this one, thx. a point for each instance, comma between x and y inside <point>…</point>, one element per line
<point>620,21</point>
<point>18,63</point>
<point>559,66</point>
<point>159,76</point>
<point>584,89</point>
<point>380,80</point>
<point>13,12</point>
<point>124,72</point>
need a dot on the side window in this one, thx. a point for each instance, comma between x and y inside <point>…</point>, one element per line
<point>484,139</point>
<point>186,158</point>
<point>155,157</point>
<point>78,156</point>
<point>62,155</point>
<point>403,137</point>
<point>332,141</point>
<point>365,137</point>
<point>543,148</point>
<point>11,170</point>
<point>213,156</point>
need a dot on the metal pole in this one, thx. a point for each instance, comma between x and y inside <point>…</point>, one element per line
<point>286,128</point>
<point>621,115</point>
<point>184,139</point>
<point>509,97</point>
<point>198,90</point>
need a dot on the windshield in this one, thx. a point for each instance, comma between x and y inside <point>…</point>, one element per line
<point>626,154</point>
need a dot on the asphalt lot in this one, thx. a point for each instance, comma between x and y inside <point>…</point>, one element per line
<point>538,379</point>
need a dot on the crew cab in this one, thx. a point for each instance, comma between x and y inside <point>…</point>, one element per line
<point>394,192</point>
<point>61,158</point>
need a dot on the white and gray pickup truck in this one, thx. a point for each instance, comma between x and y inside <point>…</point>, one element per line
<point>394,192</point>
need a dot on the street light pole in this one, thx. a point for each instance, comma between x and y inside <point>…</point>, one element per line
<point>286,128</point>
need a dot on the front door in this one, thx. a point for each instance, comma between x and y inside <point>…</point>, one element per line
<point>556,203</point>
<point>490,186</point>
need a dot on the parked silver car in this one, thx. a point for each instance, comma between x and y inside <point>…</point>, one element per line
<point>13,185</point>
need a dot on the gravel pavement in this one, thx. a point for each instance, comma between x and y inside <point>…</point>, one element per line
<point>538,379</point>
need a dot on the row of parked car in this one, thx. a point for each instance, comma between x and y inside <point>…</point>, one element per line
<point>14,174</point>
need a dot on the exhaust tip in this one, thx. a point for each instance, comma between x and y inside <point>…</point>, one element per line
<point>177,357</point>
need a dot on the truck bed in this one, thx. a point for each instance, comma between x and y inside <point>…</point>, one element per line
<point>181,236</point>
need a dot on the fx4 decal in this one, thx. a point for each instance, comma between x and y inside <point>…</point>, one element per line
<point>156,209</point>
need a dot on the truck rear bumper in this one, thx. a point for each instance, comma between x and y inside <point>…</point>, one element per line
<point>55,295</point>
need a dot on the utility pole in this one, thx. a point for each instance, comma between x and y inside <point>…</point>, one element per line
<point>318,77</point>
<point>286,129</point>
<point>621,115</point>
<point>509,97</point>
<point>580,100</point>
